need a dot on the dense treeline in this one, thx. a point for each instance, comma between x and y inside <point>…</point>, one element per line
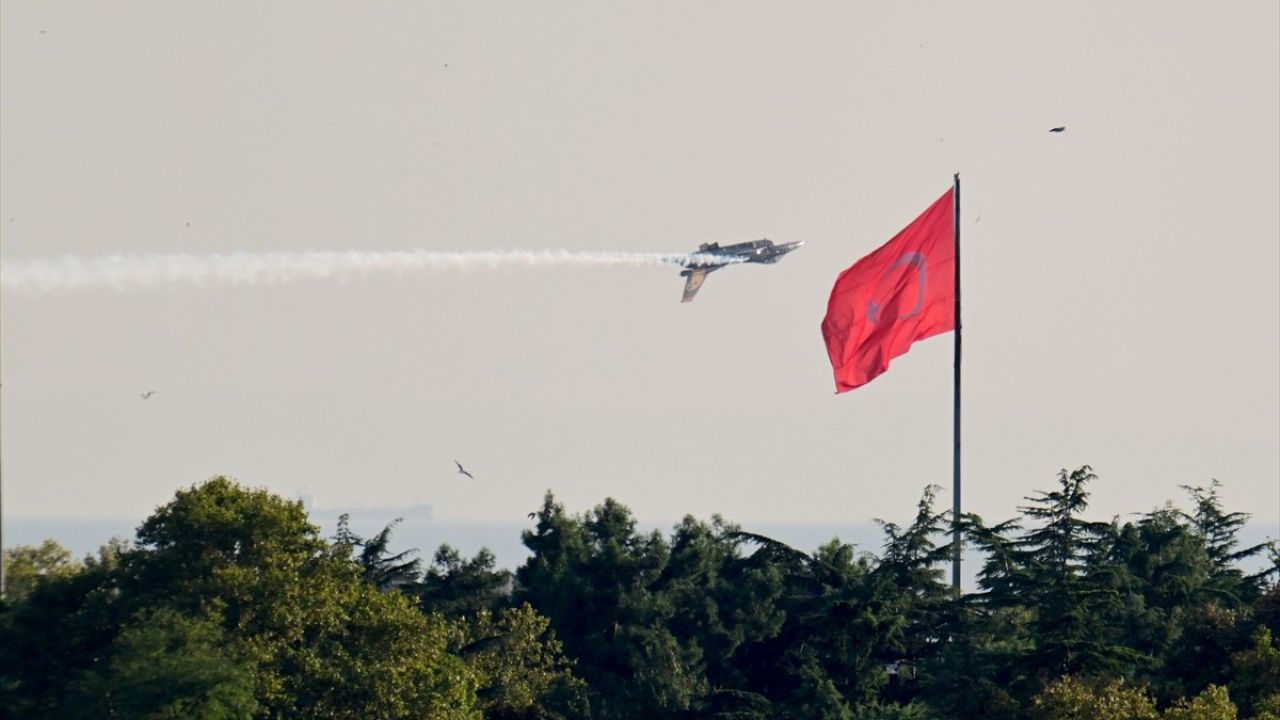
<point>230,604</point>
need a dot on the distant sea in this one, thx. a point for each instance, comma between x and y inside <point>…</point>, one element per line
<point>419,530</point>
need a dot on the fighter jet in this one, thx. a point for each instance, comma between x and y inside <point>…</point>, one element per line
<point>710,257</point>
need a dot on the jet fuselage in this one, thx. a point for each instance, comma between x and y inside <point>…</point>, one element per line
<point>710,257</point>
<point>714,255</point>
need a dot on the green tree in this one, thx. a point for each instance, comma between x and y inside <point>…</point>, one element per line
<point>816,696</point>
<point>592,576</point>
<point>841,631</point>
<point>892,711</point>
<point>47,639</point>
<point>325,642</point>
<point>1212,704</point>
<point>459,588</point>
<point>109,556</point>
<point>26,565</point>
<point>1159,572</point>
<point>719,602</point>
<point>979,671</point>
<point>1220,530</point>
<point>1060,569</point>
<point>520,666</point>
<point>1202,654</point>
<point>1256,674</point>
<point>378,566</point>
<point>975,673</point>
<point>1268,708</point>
<point>322,643</point>
<point>166,666</point>
<point>909,575</point>
<point>1069,698</point>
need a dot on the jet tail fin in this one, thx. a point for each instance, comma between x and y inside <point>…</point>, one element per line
<point>693,281</point>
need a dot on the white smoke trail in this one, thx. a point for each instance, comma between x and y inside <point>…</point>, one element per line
<point>130,272</point>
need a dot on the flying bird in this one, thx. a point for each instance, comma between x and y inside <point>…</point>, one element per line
<point>147,395</point>
<point>1058,129</point>
<point>463,471</point>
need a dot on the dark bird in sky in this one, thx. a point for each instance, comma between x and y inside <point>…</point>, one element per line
<point>463,471</point>
<point>147,395</point>
<point>1058,129</point>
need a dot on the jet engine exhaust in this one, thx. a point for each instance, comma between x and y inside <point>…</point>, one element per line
<point>36,276</point>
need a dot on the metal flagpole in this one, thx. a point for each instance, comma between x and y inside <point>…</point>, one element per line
<point>955,468</point>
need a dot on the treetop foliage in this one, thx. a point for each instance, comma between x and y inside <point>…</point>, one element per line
<point>229,603</point>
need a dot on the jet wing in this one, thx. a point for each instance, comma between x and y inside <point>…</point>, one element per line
<point>693,281</point>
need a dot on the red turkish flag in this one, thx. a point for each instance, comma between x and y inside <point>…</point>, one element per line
<point>903,292</point>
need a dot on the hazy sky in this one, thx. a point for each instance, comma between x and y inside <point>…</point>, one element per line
<point>1121,280</point>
